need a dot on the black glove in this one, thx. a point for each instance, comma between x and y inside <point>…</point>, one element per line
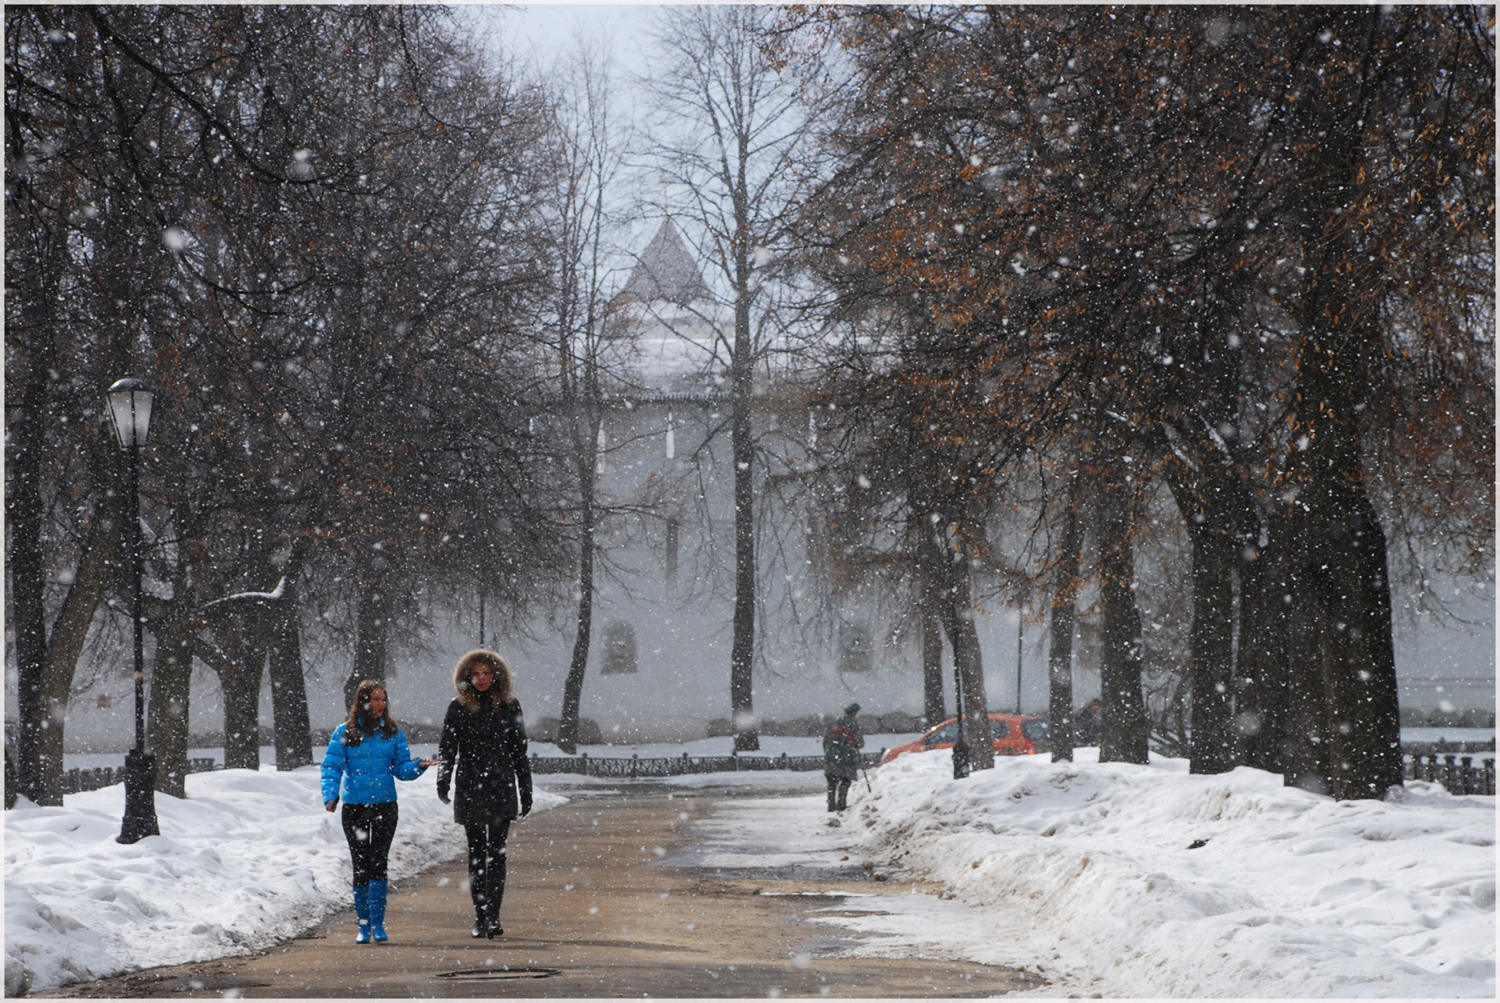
<point>526,806</point>
<point>443,797</point>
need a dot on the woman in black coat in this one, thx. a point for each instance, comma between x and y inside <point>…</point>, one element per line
<point>485,739</point>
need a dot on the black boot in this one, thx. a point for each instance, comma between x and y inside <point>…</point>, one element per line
<point>481,923</point>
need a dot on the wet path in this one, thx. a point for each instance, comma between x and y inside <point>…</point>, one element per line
<point>607,897</point>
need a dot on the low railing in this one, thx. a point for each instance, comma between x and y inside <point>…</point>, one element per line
<point>1455,771</point>
<point>77,779</point>
<point>676,766</point>
<point>1451,764</point>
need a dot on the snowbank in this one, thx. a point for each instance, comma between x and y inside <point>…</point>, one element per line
<point>1134,881</point>
<point>247,860</point>
<point>1125,881</point>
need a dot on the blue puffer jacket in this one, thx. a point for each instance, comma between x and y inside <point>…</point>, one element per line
<point>366,769</point>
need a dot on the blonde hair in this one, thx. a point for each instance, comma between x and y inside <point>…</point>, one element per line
<point>503,688</point>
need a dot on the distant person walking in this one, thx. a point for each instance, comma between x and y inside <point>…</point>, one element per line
<point>1086,724</point>
<point>841,757</point>
<point>364,754</point>
<point>484,739</point>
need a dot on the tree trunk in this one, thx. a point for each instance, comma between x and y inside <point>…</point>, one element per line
<point>1262,724</point>
<point>932,666</point>
<point>288,687</point>
<point>39,776</point>
<point>930,614</point>
<point>1211,641</point>
<point>171,683</point>
<point>964,638</point>
<point>567,725</point>
<point>1345,684</point>
<point>240,679</point>
<point>370,636</point>
<point>1060,642</point>
<point>1124,729</point>
<point>70,630</point>
<point>1337,543</point>
<point>742,645</point>
<point>39,744</point>
<point>1307,761</point>
<point>1214,537</point>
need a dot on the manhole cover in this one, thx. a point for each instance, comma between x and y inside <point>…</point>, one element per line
<point>212,983</point>
<point>502,972</point>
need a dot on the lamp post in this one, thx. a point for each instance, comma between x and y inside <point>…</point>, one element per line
<point>129,403</point>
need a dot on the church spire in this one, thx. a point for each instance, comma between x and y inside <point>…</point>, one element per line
<point>666,271</point>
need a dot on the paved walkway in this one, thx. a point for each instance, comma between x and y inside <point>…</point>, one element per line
<point>602,901</point>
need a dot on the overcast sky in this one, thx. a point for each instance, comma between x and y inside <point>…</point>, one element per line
<point>541,33</point>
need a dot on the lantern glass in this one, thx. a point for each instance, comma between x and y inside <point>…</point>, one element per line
<point>130,412</point>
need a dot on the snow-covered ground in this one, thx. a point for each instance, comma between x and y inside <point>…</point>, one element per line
<point>247,860</point>
<point>1146,881</point>
<point>1110,879</point>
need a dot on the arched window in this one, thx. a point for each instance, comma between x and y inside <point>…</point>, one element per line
<point>619,649</point>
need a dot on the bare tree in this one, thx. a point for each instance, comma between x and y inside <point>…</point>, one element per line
<point>317,251</point>
<point>733,135</point>
<point>586,208</point>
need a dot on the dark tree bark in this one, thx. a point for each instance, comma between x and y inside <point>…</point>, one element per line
<point>171,685</point>
<point>167,713</point>
<point>567,726</point>
<point>1211,640</point>
<point>1344,654</point>
<point>240,679</point>
<point>930,614</point>
<point>1307,763</point>
<point>932,666</point>
<point>371,630</point>
<point>742,448</point>
<point>1219,516</point>
<point>1342,651</point>
<point>1124,729</point>
<point>1263,728</point>
<point>69,631</point>
<point>963,638</point>
<point>288,683</point>
<point>1060,641</point>
<point>288,686</point>
<point>39,772</point>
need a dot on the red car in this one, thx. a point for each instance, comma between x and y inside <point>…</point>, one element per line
<point>1010,734</point>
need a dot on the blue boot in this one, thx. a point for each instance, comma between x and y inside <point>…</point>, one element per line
<point>377,909</point>
<point>362,910</point>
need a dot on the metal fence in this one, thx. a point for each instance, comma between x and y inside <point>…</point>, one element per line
<point>76,780</point>
<point>675,766</point>
<point>1451,764</point>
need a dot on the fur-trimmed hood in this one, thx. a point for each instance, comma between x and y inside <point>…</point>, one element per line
<point>502,690</point>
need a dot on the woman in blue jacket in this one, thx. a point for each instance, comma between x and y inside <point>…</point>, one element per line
<point>364,753</point>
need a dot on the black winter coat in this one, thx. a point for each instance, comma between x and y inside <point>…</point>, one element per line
<point>488,747</point>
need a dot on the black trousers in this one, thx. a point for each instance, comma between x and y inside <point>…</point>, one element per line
<point>838,791</point>
<point>487,865</point>
<point>369,828</point>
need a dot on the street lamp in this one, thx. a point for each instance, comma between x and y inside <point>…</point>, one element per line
<point>129,403</point>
